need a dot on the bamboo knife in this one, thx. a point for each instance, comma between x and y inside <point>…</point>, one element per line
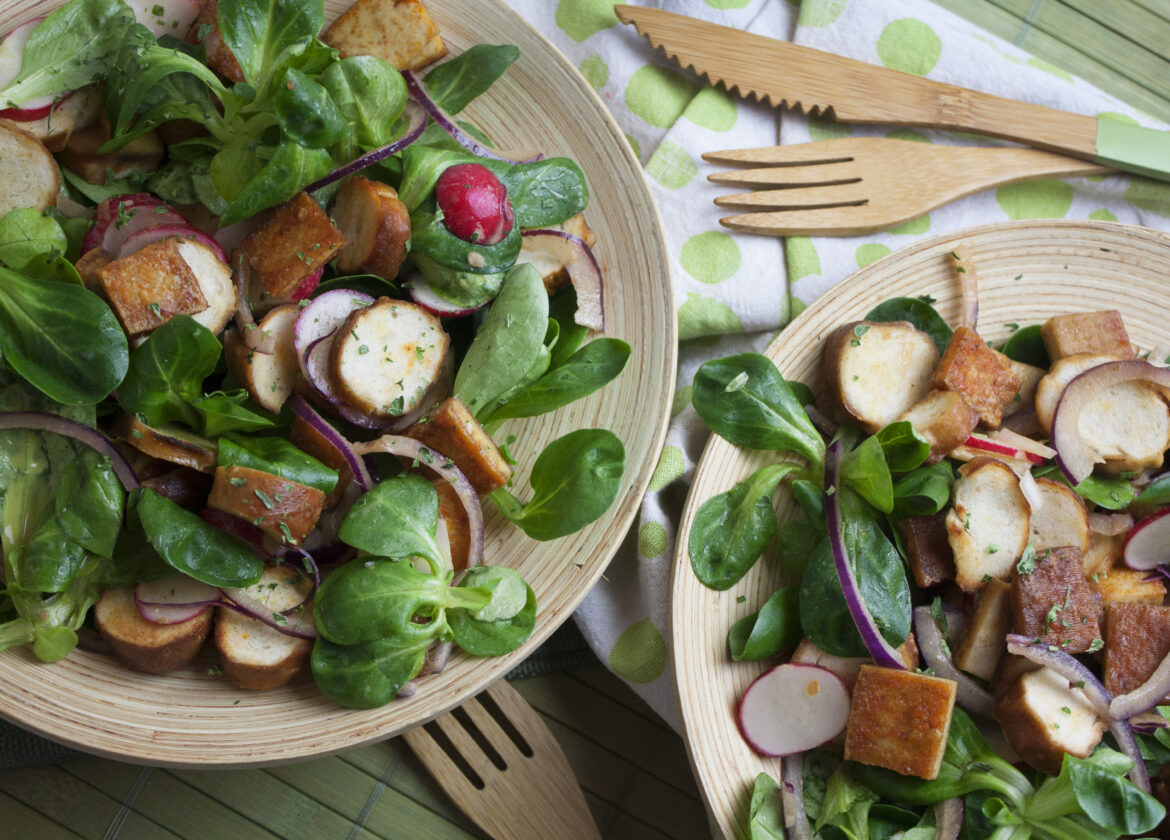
<point>807,80</point>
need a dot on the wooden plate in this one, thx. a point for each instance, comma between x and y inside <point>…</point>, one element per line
<point>1028,271</point>
<point>192,719</point>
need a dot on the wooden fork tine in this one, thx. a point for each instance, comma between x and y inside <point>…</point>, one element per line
<point>788,176</point>
<point>798,198</point>
<point>799,154</point>
<point>821,221</point>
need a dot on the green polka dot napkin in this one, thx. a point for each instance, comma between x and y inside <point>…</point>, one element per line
<point>735,292</point>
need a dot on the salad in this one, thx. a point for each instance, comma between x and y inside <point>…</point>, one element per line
<point>264,304</point>
<point>968,642</point>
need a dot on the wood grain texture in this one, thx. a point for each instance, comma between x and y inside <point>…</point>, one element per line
<point>188,719</point>
<point>1028,271</point>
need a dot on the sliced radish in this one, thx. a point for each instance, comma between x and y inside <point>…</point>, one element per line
<point>584,272</point>
<point>1148,544</point>
<point>120,217</point>
<point>11,58</point>
<point>322,317</point>
<point>982,443</point>
<point>1025,444</point>
<point>793,708</point>
<point>166,17</point>
<point>426,297</point>
<point>154,233</point>
<point>308,285</point>
<point>171,613</point>
<point>175,590</point>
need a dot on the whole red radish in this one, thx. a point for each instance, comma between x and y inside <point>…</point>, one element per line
<point>474,204</point>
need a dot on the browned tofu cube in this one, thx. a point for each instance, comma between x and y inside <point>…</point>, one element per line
<point>295,241</point>
<point>1043,718</point>
<point>983,376</point>
<point>148,287</point>
<point>1030,377</point>
<point>944,419</point>
<point>454,519</point>
<point>306,438</point>
<point>451,430</point>
<point>1104,551</point>
<point>928,549</point>
<point>1086,332</point>
<point>400,32</point>
<point>219,57</point>
<point>1137,639</point>
<point>90,263</point>
<point>1122,585</point>
<point>1056,604</point>
<point>983,644</point>
<point>899,720</point>
<point>283,509</point>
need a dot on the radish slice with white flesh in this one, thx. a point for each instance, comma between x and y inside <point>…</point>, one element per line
<point>170,613</point>
<point>793,708</point>
<point>11,58</point>
<point>992,446</point>
<point>321,318</point>
<point>175,590</point>
<point>584,272</point>
<point>1148,544</point>
<point>155,233</point>
<point>422,294</point>
<point>883,653</point>
<point>166,17</point>
<point>117,219</point>
<point>1025,444</point>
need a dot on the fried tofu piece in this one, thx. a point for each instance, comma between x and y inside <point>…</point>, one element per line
<point>144,645</point>
<point>874,371</point>
<point>400,32</point>
<point>988,523</point>
<point>1061,520</point>
<point>452,430</point>
<point>149,286</point>
<point>1043,718</point>
<point>928,549</point>
<point>167,443</point>
<point>899,720</point>
<point>1137,639</point>
<point>984,642</point>
<point>297,239</point>
<point>219,57</point>
<point>1122,585</point>
<point>90,263</point>
<point>985,377</point>
<point>1086,332</point>
<point>376,226</point>
<point>1104,551</point>
<point>944,419</point>
<point>286,510</point>
<point>29,176</point>
<point>258,657</point>
<point>1056,604</point>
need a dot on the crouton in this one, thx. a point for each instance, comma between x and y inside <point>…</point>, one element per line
<point>400,32</point>
<point>141,155</point>
<point>283,509</point>
<point>1062,518</point>
<point>1051,387</point>
<point>874,372</point>
<point>1137,639</point>
<point>928,549</point>
<point>1122,585</point>
<point>553,271</point>
<point>28,174</point>
<point>1043,718</point>
<point>1086,332</point>
<point>944,419</point>
<point>387,356</point>
<point>899,720</point>
<point>1056,604</point>
<point>988,523</point>
<point>983,376</point>
<point>295,241</point>
<point>453,516</point>
<point>451,430</point>
<point>143,645</point>
<point>258,657</point>
<point>1104,551</point>
<point>215,283</point>
<point>90,263</point>
<point>73,113</point>
<point>269,377</point>
<point>376,227</point>
<point>149,286</point>
<point>167,442</point>
<point>206,29</point>
<point>984,642</point>
<point>1128,427</point>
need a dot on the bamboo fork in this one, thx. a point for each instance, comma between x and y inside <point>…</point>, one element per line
<point>855,185</point>
<point>501,765</point>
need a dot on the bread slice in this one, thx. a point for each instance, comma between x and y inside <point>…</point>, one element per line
<point>254,655</point>
<point>1061,520</point>
<point>28,174</point>
<point>989,523</point>
<point>143,645</point>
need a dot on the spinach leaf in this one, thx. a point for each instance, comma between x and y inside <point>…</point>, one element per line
<point>27,236</point>
<point>429,236</point>
<point>421,167</point>
<point>50,560</point>
<point>766,812</point>
<point>1103,491</point>
<point>508,341</point>
<point>924,491</point>
<point>1026,345</point>
<point>307,113</point>
<point>290,167</point>
<point>810,496</point>
<point>846,805</point>
<point>797,541</point>
<point>1104,794</point>
<point>367,675</point>
<point>461,288</point>
<point>544,192</point>
<point>262,34</point>
<point>919,313</point>
<point>746,401</point>
<point>194,547</point>
<point>574,481</point>
<point>864,470</point>
<point>767,632</point>
<point>504,623</point>
<point>69,49</point>
<point>370,94</point>
<point>166,372</point>
<point>276,456</point>
<point>223,412</point>
<point>562,308</point>
<point>455,83</point>
<point>904,449</point>
<point>397,519</point>
<point>593,366</point>
<point>61,337</point>
<point>731,529</point>
<point>89,503</point>
<point>1157,492</point>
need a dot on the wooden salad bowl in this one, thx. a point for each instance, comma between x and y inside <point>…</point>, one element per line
<point>1028,271</point>
<point>192,719</point>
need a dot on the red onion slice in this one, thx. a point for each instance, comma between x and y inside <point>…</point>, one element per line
<point>1031,490</point>
<point>968,287</point>
<point>299,624</point>
<point>1098,696</point>
<point>1146,696</point>
<point>443,467</point>
<point>170,613</point>
<point>175,590</point>
<point>43,421</point>
<point>792,797</point>
<point>969,694</point>
<point>584,272</point>
<point>883,653</point>
<point>356,464</point>
<point>1110,524</point>
<point>417,117</point>
<point>948,819</point>
<point>1075,456</point>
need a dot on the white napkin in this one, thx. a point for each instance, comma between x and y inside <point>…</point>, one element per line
<point>735,292</point>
